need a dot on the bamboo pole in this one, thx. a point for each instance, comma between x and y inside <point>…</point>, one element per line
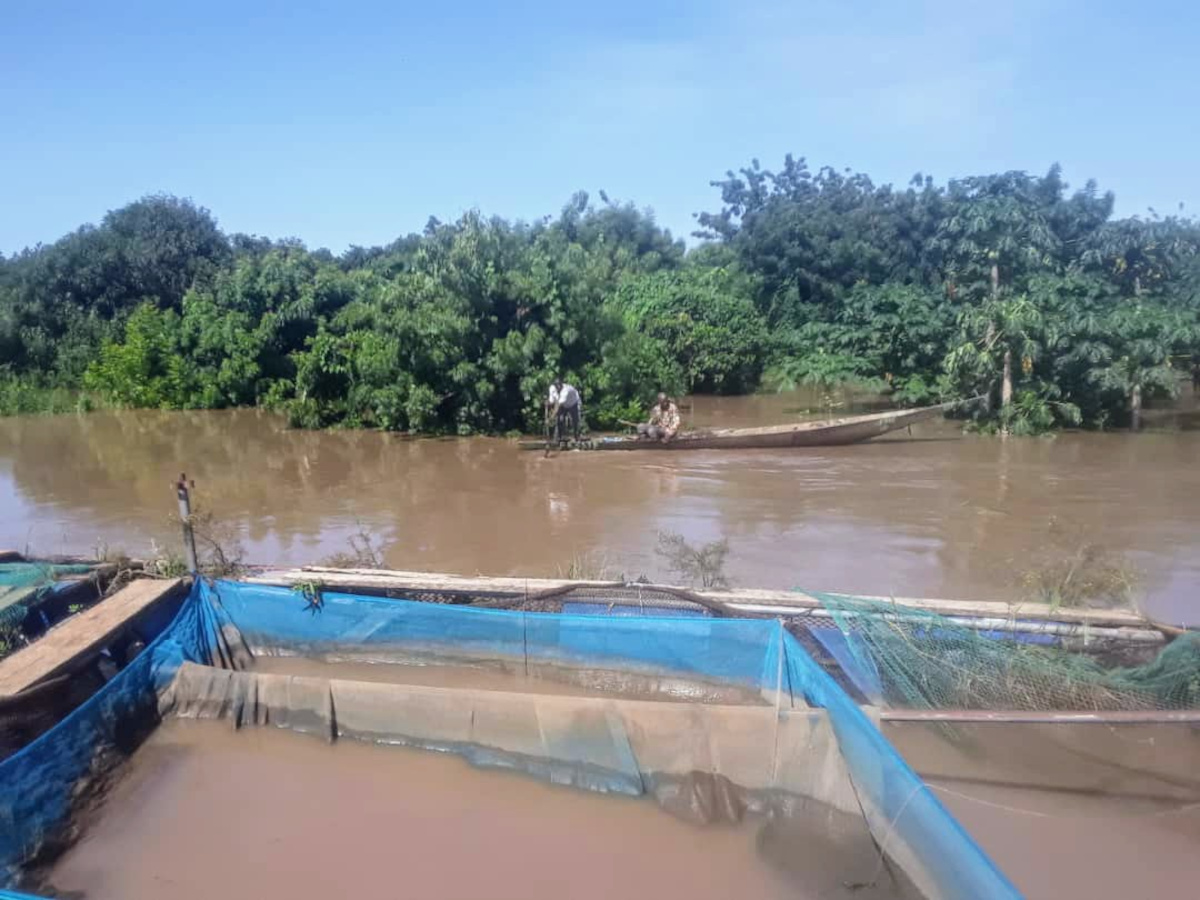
<point>185,517</point>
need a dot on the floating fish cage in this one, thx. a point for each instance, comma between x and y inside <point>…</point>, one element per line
<point>653,699</point>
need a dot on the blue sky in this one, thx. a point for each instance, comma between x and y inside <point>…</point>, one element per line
<point>351,123</point>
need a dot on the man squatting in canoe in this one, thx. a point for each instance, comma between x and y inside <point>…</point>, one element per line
<point>664,421</point>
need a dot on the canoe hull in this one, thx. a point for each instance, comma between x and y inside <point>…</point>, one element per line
<point>838,432</point>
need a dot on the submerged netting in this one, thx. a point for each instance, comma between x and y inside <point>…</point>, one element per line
<point>920,660</point>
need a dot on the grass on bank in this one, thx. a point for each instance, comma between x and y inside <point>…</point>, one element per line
<point>22,397</point>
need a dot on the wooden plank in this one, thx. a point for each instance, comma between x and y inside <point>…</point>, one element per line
<point>60,648</point>
<point>384,579</point>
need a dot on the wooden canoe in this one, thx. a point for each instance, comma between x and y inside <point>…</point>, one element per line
<point>827,433</point>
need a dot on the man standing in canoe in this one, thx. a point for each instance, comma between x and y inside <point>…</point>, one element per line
<point>564,404</point>
<point>664,421</point>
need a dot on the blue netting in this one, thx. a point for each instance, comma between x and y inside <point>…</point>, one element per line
<point>279,619</point>
<point>275,619</point>
<point>893,794</point>
<point>36,784</point>
<point>859,669</point>
<point>741,650</point>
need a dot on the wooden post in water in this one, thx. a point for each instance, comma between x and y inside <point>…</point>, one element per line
<point>185,517</point>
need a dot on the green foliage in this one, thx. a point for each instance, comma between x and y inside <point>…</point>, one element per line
<point>28,395</point>
<point>1008,286</point>
<point>166,562</point>
<point>11,640</point>
<point>146,369</point>
<point>1032,413</point>
<point>940,292</point>
<point>1139,341</point>
<point>312,592</point>
<point>58,303</point>
<point>891,337</point>
<point>705,320</point>
<point>818,367</point>
<point>633,367</point>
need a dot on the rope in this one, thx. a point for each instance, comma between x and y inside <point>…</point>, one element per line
<point>1186,808</point>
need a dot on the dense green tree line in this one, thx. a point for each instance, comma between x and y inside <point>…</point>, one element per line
<point>1005,285</point>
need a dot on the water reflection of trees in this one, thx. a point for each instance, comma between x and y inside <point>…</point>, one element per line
<point>1120,491</point>
<point>477,503</point>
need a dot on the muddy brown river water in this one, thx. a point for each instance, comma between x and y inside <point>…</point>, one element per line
<point>1070,811</point>
<point>205,811</point>
<point>934,513</point>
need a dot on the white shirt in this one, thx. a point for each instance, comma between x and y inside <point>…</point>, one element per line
<point>568,396</point>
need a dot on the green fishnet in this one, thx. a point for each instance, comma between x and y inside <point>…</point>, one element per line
<point>926,661</point>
